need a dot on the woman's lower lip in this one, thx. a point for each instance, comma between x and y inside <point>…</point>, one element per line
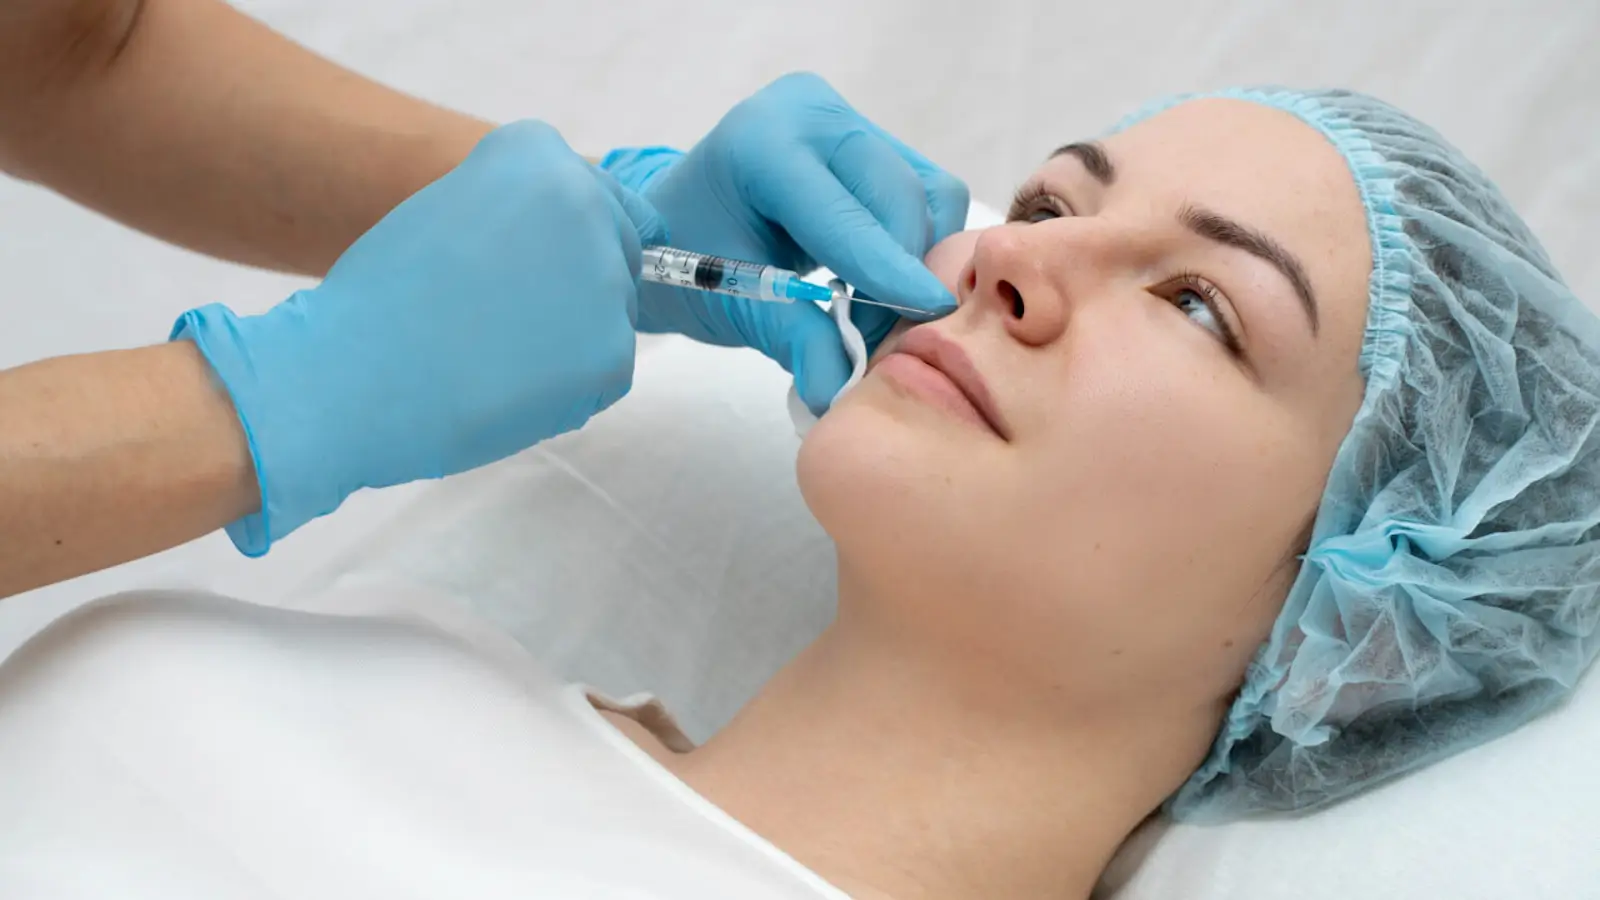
<point>931,386</point>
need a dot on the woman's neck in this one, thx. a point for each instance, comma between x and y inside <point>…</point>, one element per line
<point>897,774</point>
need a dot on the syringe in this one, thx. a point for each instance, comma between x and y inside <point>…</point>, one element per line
<point>683,268</point>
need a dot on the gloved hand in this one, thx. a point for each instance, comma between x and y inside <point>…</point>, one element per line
<point>795,177</point>
<point>492,310</point>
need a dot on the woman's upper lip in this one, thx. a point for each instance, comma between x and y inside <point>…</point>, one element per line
<point>946,355</point>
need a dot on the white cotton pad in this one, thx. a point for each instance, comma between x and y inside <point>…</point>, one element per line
<point>855,347</point>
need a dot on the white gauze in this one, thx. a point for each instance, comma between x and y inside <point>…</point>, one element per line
<point>855,347</point>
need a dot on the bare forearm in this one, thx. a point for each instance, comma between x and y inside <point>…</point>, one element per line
<point>193,122</point>
<point>109,457</point>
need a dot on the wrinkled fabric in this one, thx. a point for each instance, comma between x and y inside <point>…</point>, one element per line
<point>1451,589</point>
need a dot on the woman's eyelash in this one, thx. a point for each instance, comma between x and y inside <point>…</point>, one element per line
<point>1033,201</point>
<point>1212,298</point>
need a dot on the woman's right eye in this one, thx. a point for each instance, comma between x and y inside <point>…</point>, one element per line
<point>1033,204</point>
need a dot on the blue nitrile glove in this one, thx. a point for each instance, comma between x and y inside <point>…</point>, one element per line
<point>795,177</point>
<point>492,310</point>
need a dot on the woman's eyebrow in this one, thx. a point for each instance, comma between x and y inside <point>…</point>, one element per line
<point>1223,230</point>
<point>1094,158</point>
<point>1211,226</point>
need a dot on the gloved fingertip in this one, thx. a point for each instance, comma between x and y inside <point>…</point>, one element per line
<point>655,232</point>
<point>944,306</point>
<point>949,200</point>
<point>920,290</point>
<point>939,301</point>
<point>651,225</point>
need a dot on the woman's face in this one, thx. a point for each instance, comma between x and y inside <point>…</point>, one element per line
<point>1097,471</point>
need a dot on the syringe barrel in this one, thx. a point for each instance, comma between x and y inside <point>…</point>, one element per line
<point>682,268</point>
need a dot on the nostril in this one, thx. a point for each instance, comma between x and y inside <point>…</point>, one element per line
<point>971,279</point>
<point>1009,292</point>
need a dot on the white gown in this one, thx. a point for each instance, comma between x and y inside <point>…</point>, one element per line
<point>180,746</point>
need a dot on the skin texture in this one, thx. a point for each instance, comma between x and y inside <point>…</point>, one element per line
<point>153,456</point>
<point>1039,634</point>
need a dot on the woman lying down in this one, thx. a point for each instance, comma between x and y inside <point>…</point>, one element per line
<point>1258,466</point>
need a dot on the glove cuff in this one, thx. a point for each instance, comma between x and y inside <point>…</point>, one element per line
<point>636,167</point>
<point>250,370</point>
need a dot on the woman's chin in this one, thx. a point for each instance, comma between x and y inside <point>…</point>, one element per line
<point>845,467</point>
<point>866,471</point>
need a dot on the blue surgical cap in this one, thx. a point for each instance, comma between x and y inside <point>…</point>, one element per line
<point>1451,588</point>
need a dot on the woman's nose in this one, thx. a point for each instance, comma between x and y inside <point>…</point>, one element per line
<point>1009,277</point>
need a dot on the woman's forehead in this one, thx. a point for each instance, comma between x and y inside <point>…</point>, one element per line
<point>1258,162</point>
